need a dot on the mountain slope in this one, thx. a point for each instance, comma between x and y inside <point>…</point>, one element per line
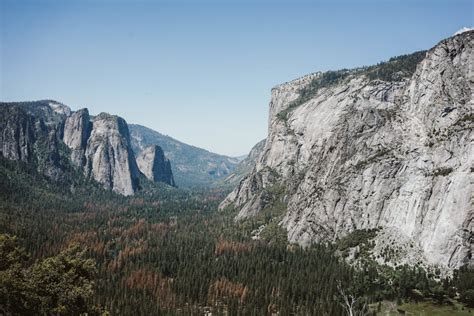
<point>246,164</point>
<point>192,166</point>
<point>385,147</point>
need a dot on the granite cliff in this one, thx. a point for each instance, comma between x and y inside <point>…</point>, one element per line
<point>386,147</point>
<point>30,132</point>
<point>153,164</point>
<point>56,140</point>
<point>191,166</point>
<point>108,155</point>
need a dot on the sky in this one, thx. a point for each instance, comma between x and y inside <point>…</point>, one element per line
<point>201,71</point>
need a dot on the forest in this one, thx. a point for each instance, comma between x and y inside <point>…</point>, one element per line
<point>169,251</point>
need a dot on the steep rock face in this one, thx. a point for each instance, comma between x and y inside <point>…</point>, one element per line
<point>366,153</point>
<point>246,165</point>
<point>17,133</point>
<point>77,129</point>
<point>29,133</point>
<point>192,166</point>
<point>102,148</point>
<point>108,155</point>
<point>153,164</point>
<point>57,141</point>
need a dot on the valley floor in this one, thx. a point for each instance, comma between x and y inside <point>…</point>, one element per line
<point>169,251</point>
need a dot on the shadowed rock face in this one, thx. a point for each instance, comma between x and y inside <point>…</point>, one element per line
<point>29,132</point>
<point>363,153</point>
<point>153,164</point>
<point>17,133</point>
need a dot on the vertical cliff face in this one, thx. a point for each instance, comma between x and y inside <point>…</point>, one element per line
<point>17,133</point>
<point>77,129</point>
<point>26,126</point>
<point>153,164</point>
<point>102,148</point>
<point>29,132</point>
<point>192,166</point>
<point>37,133</point>
<point>386,147</point>
<point>108,155</point>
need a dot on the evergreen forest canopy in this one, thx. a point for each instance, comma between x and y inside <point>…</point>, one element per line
<point>169,251</point>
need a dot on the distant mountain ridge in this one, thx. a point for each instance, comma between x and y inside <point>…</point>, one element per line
<point>192,166</point>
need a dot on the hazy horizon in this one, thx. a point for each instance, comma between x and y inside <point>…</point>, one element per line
<point>201,73</point>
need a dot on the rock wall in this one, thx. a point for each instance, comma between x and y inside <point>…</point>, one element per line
<point>77,129</point>
<point>17,133</point>
<point>35,132</point>
<point>153,164</point>
<point>364,153</point>
<point>109,156</point>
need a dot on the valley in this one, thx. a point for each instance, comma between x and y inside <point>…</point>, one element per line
<point>168,251</point>
<point>358,202</point>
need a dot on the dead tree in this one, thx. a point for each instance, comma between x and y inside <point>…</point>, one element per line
<point>349,302</point>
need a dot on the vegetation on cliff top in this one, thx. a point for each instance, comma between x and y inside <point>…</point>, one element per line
<point>395,69</point>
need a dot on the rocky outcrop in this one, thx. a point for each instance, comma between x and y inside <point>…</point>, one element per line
<point>108,155</point>
<point>29,133</point>
<point>387,147</point>
<point>153,164</point>
<point>17,133</point>
<point>77,129</point>
<point>192,166</point>
<point>22,124</point>
<point>102,148</point>
<point>36,132</point>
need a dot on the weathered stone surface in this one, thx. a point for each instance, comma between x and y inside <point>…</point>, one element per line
<point>246,165</point>
<point>29,133</point>
<point>192,166</point>
<point>369,153</point>
<point>36,132</point>
<point>17,133</point>
<point>153,164</point>
<point>77,129</point>
<point>109,157</point>
<point>102,148</point>
<point>22,124</point>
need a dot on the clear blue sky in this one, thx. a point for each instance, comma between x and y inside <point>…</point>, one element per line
<point>201,71</point>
